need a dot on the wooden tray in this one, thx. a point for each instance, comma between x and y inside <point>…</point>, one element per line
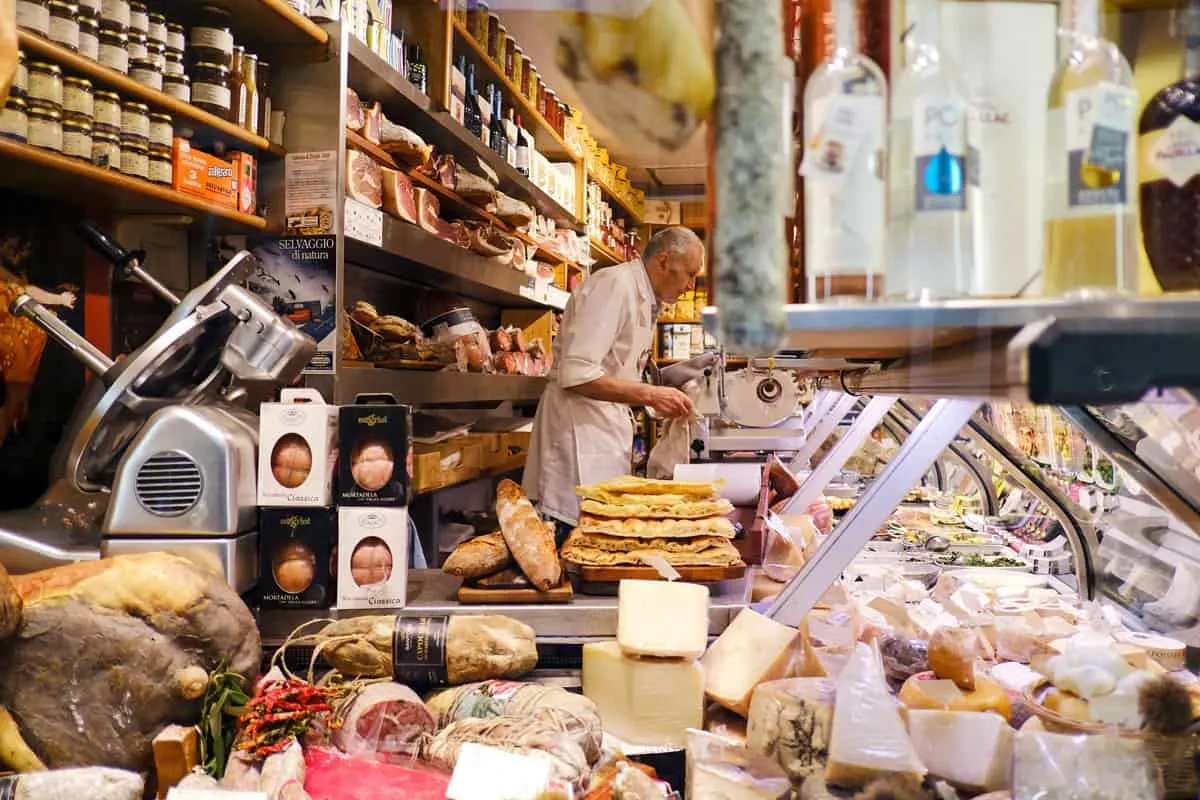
<point>690,574</point>
<point>473,596</point>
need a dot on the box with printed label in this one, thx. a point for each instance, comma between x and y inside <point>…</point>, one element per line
<point>296,550</point>
<point>374,452</point>
<point>197,173</point>
<point>372,556</point>
<point>296,450</point>
<point>245,171</point>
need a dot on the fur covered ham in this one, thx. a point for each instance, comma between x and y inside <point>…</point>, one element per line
<point>398,197</point>
<point>385,721</point>
<point>110,652</point>
<point>364,182</point>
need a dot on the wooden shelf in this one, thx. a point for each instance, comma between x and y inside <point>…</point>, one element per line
<point>509,465</point>
<point>548,142</point>
<point>611,194</point>
<point>69,180</point>
<point>604,257</point>
<point>208,124</point>
<point>259,19</point>
<point>730,361</point>
<point>423,388</point>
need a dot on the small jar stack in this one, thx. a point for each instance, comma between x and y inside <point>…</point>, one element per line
<point>227,80</point>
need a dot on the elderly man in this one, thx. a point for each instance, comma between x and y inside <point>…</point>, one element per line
<point>583,431</point>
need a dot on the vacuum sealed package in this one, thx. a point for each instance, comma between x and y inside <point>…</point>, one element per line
<point>1055,766</point>
<point>720,768</point>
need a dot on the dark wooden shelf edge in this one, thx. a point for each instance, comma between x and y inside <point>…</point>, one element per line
<point>420,387</point>
<point>512,465</point>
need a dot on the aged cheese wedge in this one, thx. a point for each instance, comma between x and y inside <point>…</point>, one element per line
<point>643,701</point>
<point>753,649</point>
<point>666,619</point>
<point>869,739</point>
<point>969,749</point>
<point>790,721</point>
<point>925,690</point>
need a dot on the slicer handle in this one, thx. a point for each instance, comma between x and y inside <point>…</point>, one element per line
<point>125,260</point>
<point>61,332</point>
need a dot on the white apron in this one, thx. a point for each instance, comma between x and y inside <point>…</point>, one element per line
<point>607,329</point>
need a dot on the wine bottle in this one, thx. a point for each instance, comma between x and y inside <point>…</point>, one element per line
<point>929,242</point>
<point>523,147</point>
<point>510,136</point>
<point>499,142</point>
<point>474,121</point>
<point>1169,140</point>
<point>1091,220</point>
<point>458,89</point>
<point>845,104</point>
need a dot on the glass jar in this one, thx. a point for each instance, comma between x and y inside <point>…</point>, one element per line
<point>90,9</point>
<point>237,90</point>
<point>14,120</point>
<point>20,85</point>
<point>477,21</point>
<point>518,61</point>
<point>115,13</point>
<point>210,88</point>
<point>528,78</point>
<point>176,37</point>
<point>34,15</point>
<point>162,130</point>
<point>89,37</point>
<point>106,149</point>
<point>508,56</point>
<point>173,63</point>
<point>135,120</point>
<point>139,18</point>
<point>497,33</point>
<point>45,128</point>
<point>157,52</point>
<point>178,86</point>
<point>146,72</point>
<point>135,159</point>
<point>77,138</point>
<point>158,29</point>
<point>136,46</point>
<point>263,81</point>
<point>248,114</point>
<point>161,170</point>
<point>64,24</point>
<point>78,97</point>
<point>106,108</point>
<point>211,39</point>
<point>46,83</point>
<point>114,52</point>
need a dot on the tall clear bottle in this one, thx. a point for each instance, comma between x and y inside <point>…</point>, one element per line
<point>845,118</point>
<point>929,232</point>
<point>1091,166</point>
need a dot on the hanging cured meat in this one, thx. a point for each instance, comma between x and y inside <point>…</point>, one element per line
<point>364,182</point>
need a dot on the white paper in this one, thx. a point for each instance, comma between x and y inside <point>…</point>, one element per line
<point>488,773</point>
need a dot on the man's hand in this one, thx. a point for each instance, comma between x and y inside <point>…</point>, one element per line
<point>8,46</point>
<point>678,374</point>
<point>669,403</point>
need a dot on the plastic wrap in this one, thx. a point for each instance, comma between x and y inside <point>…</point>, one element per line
<point>385,721</point>
<point>725,723</point>
<point>1055,766</point>
<point>334,776</point>
<point>540,738</point>
<point>902,658</point>
<point>718,768</point>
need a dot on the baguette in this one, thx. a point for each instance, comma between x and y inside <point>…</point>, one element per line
<point>528,538</point>
<point>480,556</point>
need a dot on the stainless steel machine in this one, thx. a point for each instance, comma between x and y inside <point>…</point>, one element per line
<point>160,453</point>
<point>753,410</point>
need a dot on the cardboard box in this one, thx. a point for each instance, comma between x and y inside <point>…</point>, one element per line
<point>296,550</point>
<point>447,463</point>
<point>202,175</point>
<point>296,449</point>
<point>374,453</point>
<point>372,557</point>
<point>245,170</point>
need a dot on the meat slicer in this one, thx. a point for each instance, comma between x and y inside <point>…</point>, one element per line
<point>160,452</point>
<point>753,410</point>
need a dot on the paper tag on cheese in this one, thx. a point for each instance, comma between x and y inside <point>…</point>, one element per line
<point>488,773</point>
<point>662,566</point>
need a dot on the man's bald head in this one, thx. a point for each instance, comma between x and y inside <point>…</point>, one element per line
<point>674,257</point>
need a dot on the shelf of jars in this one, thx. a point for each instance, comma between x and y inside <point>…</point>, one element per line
<point>616,197</point>
<point>603,255</point>
<point>261,20</point>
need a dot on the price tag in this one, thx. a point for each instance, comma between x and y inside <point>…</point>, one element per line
<point>363,223</point>
<point>833,152</point>
<point>488,773</point>
<point>529,290</point>
<point>1111,126</point>
<point>213,794</point>
<point>556,297</point>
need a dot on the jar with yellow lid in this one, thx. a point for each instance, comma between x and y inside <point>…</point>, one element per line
<point>77,138</point>
<point>160,166</point>
<point>64,24</point>
<point>158,29</point>
<point>139,18</point>
<point>135,159</point>
<point>14,120</point>
<point>162,130</point>
<point>114,48</point>
<point>106,149</point>
<point>135,120</point>
<point>178,86</point>
<point>45,128</point>
<point>78,97</point>
<point>89,37</point>
<point>136,44</point>
<point>146,72</point>
<point>34,15</point>
<point>20,84</point>
<point>45,84</point>
<point>115,13</point>
<point>106,109</point>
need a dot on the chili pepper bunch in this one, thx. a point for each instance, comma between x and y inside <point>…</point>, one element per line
<point>283,710</point>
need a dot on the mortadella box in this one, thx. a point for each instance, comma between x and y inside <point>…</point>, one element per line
<point>297,548</point>
<point>374,462</point>
<point>372,558</point>
<point>296,450</point>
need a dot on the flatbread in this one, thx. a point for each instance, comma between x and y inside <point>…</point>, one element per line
<point>633,498</point>
<point>581,549</point>
<point>629,484</point>
<point>653,528</point>
<point>618,544</point>
<point>687,509</point>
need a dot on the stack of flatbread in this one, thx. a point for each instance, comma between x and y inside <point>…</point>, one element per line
<point>629,521</point>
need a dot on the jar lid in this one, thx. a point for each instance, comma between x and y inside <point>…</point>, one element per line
<point>36,110</point>
<point>184,79</point>
<point>79,123</point>
<point>104,94</point>
<point>208,65</point>
<point>144,63</point>
<point>133,145</point>
<point>89,22</point>
<point>162,118</point>
<point>174,55</point>
<point>82,83</point>
<point>15,103</point>
<point>158,18</point>
<point>101,132</point>
<point>160,151</point>
<point>133,105</point>
<point>155,47</point>
<point>136,6</point>
<point>138,36</point>
<point>70,8</point>
<point>174,27</point>
<point>75,115</point>
<point>45,66</point>
<point>113,31</point>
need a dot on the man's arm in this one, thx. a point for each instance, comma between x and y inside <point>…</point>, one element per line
<point>667,402</point>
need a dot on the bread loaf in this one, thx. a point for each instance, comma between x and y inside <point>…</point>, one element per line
<point>10,606</point>
<point>477,557</point>
<point>529,539</point>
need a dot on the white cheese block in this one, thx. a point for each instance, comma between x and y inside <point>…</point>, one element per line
<point>869,739</point>
<point>752,650</point>
<point>643,701</point>
<point>667,619</point>
<point>790,721</point>
<point>730,782</point>
<point>971,749</point>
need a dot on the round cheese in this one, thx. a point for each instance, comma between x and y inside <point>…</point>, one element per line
<point>927,691</point>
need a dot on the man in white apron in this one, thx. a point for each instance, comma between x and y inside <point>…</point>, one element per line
<point>583,431</point>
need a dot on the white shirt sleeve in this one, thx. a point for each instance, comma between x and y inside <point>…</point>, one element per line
<point>599,310</point>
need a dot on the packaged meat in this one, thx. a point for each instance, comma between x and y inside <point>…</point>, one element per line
<point>385,721</point>
<point>373,123</point>
<point>545,738</point>
<point>331,775</point>
<point>474,189</point>
<point>364,182</point>
<point>402,144</point>
<point>501,340</point>
<point>398,200</point>
<point>472,353</point>
<point>517,337</point>
<point>428,209</point>
<point>355,116</point>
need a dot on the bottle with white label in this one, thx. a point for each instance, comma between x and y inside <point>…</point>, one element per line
<point>929,232</point>
<point>845,155</point>
<point>1091,166</point>
<point>1169,144</point>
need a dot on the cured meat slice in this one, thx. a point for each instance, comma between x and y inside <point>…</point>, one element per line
<point>446,171</point>
<point>428,209</point>
<point>474,189</point>
<point>398,197</point>
<point>333,776</point>
<point>364,182</point>
<point>501,340</point>
<point>355,116</point>
<point>487,241</point>
<point>374,121</point>
<point>403,144</point>
<point>386,721</point>
<point>518,341</point>
<point>511,210</point>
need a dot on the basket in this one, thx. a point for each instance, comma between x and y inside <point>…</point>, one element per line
<point>1175,756</point>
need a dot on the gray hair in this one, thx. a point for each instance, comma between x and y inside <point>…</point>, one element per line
<point>672,241</point>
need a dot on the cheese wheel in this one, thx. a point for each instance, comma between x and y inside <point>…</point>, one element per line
<point>1169,653</point>
<point>926,691</point>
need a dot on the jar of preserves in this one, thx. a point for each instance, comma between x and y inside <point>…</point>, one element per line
<point>106,149</point>
<point>135,120</point>
<point>528,78</point>
<point>45,128</point>
<point>14,120</point>
<point>508,57</point>
<point>90,9</point>
<point>146,72</point>
<point>135,159</point>
<point>89,37</point>
<point>264,99</point>
<point>211,88</point>
<point>176,37</point>
<point>179,87</point>
<point>161,170</point>
<point>20,83</point>
<point>136,46</point>
<point>518,62</point>
<point>173,63</point>
<point>64,24</point>
<point>115,13</point>
<point>237,90</point>
<point>477,21</point>
<point>158,29</point>
<point>106,107</point>
<point>139,18</point>
<point>77,138</point>
<point>114,52</point>
<point>78,97</point>
<point>34,15</point>
<point>496,35</point>
<point>211,39</point>
<point>247,115</point>
<point>45,84</point>
<point>157,52</point>
<point>162,130</point>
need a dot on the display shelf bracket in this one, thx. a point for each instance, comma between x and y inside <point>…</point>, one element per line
<point>908,420</point>
<point>837,408</point>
